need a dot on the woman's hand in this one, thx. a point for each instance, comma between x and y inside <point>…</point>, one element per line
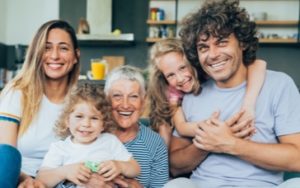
<point>242,124</point>
<point>127,182</point>
<point>97,180</point>
<point>29,182</point>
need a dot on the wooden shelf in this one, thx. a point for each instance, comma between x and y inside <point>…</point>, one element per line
<point>161,22</point>
<point>152,40</point>
<point>277,22</point>
<point>279,40</point>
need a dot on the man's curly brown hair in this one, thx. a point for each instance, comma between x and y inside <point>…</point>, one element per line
<point>219,19</point>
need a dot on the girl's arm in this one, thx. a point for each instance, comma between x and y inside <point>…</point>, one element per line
<point>112,168</point>
<point>165,131</point>
<point>182,127</point>
<point>255,78</point>
<point>77,173</point>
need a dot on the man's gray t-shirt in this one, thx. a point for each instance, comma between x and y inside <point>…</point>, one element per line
<point>277,114</point>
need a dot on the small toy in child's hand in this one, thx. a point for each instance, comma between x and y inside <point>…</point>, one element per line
<point>93,166</point>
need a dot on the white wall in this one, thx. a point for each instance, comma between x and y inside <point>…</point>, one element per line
<point>2,20</point>
<point>99,16</point>
<point>23,17</point>
<point>276,10</point>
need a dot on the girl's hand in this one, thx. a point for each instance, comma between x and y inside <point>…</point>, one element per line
<point>29,182</point>
<point>77,173</point>
<point>241,124</point>
<point>109,169</point>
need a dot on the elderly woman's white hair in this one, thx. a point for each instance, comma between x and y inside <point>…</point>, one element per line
<point>125,72</point>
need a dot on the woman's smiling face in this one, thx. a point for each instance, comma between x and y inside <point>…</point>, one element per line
<point>127,102</point>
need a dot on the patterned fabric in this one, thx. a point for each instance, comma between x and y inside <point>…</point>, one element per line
<point>149,149</point>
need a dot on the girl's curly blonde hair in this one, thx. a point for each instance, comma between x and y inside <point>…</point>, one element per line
<point>92,94</point>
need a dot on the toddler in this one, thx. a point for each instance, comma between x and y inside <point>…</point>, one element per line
<point>87,147</point>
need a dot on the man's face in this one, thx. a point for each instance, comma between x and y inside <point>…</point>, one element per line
<point>222,59</point>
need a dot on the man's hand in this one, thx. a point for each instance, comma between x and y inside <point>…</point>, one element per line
<point>29,182</point>
<point>214,135</point>
<point>219,136</point>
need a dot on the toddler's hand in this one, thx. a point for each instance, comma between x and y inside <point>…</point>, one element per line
<point>77,173</point>
<point>109,169</point>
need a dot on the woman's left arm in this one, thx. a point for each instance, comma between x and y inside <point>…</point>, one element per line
<point>160,166</point>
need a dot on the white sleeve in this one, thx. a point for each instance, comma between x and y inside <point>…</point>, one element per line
<point>54,157</point>
<point>10,105</point>
<point>119,151</point>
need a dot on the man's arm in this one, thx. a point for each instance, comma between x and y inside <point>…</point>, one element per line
<point>217,137</point>
<point>284,156</point>
<point>180,162</point>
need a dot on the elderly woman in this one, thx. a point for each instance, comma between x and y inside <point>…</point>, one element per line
<point>125,88</point>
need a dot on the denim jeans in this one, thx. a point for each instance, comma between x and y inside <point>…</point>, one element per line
<point>10,166</point>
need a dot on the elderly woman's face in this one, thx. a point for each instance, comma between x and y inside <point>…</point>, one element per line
<point>127,102</point>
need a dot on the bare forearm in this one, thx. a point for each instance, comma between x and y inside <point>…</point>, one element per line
<point>180,162</point>
<point>51,177</point>
<point>187,129</point>
<point>130,169</point>
<point>256,76</point>
<point>184,128</point>
<point>269,156</point>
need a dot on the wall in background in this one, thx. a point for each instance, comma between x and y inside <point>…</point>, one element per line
<point>282,58</point>
<point>127,15</point>
<point>22,18</point>
<point>2,20</point>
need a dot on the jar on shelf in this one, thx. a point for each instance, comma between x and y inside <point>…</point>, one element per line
<point>153,13</point>
<point>160,14</point>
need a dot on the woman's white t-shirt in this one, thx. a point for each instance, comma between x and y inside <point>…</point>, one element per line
<point>35,142</point>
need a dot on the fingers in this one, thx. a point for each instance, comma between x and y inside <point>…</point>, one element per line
<point>109,170</point>
<point>246,133</point>
<point>241,125</point>
<point>233,119</point>
<point>120,181</point>
<point>216,114</point>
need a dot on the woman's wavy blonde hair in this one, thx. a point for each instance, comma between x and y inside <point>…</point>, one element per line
<point>91,94</point>
<point>31,78</point>
<point>160,110</point>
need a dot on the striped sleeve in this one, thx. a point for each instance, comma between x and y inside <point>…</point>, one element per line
<point>151,153</point>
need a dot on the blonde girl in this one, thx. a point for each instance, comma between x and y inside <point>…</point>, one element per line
<point>171,76</point>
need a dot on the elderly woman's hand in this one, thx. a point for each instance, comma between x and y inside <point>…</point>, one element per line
<point>98,181</point>
<point>29,182</point>
<point>127,182</point>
